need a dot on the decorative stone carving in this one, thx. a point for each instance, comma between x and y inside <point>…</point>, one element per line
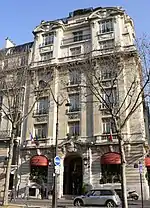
<point>41,119</point>
<point>73,116</point>
<point>71,147</point>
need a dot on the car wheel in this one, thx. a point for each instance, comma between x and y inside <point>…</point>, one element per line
<point>135,197</point>
<point>78,203</point>
<point>110,203</point>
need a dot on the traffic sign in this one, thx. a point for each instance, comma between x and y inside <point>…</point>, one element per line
<point>57,169</point>
<point>140,168</point>
<point>57,160</point>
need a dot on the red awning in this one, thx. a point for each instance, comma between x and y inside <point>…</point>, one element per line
<point>147,162</point>
<point>39,160</point>
<point>111,158</point>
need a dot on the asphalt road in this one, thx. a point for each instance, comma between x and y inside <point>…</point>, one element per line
<point>68,203</point>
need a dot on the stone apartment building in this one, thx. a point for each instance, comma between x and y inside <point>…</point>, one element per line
<point>88,156</point>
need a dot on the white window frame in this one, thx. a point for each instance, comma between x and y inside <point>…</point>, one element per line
<point>78,36</point>
<point>43,130</point>
<point>106,26</point>
<point>48,39</point>
<point>75,125</point>
<point>74,100</point>
<point>42,105</point>
<point>112,98</point>
<point>46,56</point>
<point>108,126</point>
<point>74,77</point>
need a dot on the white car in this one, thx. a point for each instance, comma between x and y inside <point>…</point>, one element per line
<point>105,197</point>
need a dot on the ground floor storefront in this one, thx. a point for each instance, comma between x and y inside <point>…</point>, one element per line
<point>82,167</point>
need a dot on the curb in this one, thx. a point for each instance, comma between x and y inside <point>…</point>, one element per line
<point>13,206</point>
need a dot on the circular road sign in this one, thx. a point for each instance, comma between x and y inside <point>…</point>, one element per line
<point>57,160</point>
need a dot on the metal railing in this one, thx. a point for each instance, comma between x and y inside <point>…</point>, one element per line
<point>76,39</point>
<point>40,112</point>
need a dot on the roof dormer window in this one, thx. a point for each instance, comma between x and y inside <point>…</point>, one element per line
<point>106,26</point>
<point>48,39</point>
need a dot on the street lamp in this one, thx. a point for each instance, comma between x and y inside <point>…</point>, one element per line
<point>139,165</point>
<point>58,104</point>
<point>54,193</point>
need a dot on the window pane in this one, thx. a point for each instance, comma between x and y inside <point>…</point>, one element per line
<point>108,125</point>
<point>96,193</point>
<point>74,77</point>
<point>41,131</point>
<point>106,193</point>
<point>74,128</point>
<point>42,106</point>
<point>74,101</point>
<point>78,36</point>
<point>48,39</point>
<point>106,26</point>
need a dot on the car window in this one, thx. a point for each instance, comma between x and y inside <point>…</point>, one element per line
<point>106,193</point>
<point>96,193</point>
<point>89,193</point>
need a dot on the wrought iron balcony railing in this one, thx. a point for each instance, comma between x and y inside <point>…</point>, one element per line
<point>40,112</point>
<point>76,39</point>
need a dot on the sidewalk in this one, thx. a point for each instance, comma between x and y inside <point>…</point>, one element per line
<point>13,206</point>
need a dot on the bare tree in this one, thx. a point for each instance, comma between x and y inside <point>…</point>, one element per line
<point>17,83</point>
<point>113,82</point>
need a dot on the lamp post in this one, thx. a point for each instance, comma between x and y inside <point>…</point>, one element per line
<point>54,193</point>
<point>140,171</point>
<point>139,165</point>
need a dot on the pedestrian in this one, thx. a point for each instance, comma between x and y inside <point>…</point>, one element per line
<point>12,194</point>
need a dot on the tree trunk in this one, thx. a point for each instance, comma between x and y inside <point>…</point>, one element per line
<point>8,168</point>
<point>123,174</point>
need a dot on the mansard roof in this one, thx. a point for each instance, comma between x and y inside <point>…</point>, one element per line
<point>17,49</point>
<point>90,13</point>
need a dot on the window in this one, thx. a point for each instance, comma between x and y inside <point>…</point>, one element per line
<point>42,106</point>
<point>74,101</point>
<point>74,128</point>
<point>38,174</point>
<point>48,39</point>
<point>46,56</point>
<point>23,60</point>
<point>106,26</point>
<point>96,193</point>
<point>109,98</point>
<point>107,74</point>
<point>6,63</point>
<point>32,191</point>
<point>74,77</point>
<point>106,193</point>
<point>41,131</point>
<point>106,44</point>
<point>75,51</point>
<point>110,174</point>
<point>78,36</point>
<point>108,126</point>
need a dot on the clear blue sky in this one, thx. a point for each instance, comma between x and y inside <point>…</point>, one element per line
<point>20,17</point>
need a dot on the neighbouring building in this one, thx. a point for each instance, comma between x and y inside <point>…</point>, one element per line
<point>56,63</point>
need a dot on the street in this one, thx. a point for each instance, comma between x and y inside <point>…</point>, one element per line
<point>35,203</point>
